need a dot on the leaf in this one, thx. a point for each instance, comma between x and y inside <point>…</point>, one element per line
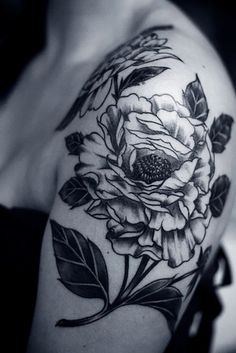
<point>203,257</point>
<point>74,192</point>
<point>196,101</point>
<point>80,263</point>
<point>220,132</point>
<point>219,193</point>
<point>73,143</point>
<point>162,296</point>
<point>139,76</point>
<point>201,264</point>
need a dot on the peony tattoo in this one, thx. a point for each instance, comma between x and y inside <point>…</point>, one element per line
<point>148,172</point>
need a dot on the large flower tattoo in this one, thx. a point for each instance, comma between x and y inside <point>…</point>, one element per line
<point>149,172</point>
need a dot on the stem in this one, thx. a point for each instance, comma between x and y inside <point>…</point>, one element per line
<point>141,272</point>
<point>84,321</point>
<point>126,274</point>
<point>180,278</point>
<point>136,279</point>
<point>149,269</point>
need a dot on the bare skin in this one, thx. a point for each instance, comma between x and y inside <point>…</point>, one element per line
<point>35,167</point>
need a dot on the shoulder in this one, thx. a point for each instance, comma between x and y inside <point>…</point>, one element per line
<point>146,176</point>
<point>159,59</point>
<point>149,130</point>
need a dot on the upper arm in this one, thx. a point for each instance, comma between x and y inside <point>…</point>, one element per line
<point>144,191</point>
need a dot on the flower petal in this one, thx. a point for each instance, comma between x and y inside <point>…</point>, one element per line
<point>133,103</point>
<point>171,218</point>
<point>145,122</point>
<point>165,141</point>
<point>167,102</point>
<point>93,154</point>
<point>150,121</point>
<point>190,196</point>
<point>112,121</point>
<point>146,239</point>
<point>125,240</point>
<point>130,246</point>
<point>202,203</point>
<point>158,198</point>
<point>99,187</point>
<point>176,247</point>
<point>181,176</point>
<point>198,227</point>
<point>98,210</point>
<point>156,148</point>
<point>205,166</point>
<point>128,210</point>
<point>179,128</point>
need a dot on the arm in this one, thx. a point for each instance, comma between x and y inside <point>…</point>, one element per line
<point>144,192</point>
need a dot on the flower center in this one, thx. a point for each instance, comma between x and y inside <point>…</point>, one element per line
<point>151,168</point>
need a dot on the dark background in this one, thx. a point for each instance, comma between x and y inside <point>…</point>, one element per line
<point>22,32</point>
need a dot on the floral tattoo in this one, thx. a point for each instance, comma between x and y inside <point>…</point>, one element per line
<point>149,173</point>
<point>139,54</point>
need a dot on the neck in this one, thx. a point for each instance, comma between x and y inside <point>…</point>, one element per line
<point>85,25</point>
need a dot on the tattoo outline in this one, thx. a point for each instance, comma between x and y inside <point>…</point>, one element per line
<point>140,55</point>
<point>149,174</point>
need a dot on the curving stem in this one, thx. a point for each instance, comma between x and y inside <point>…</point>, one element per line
<point>122,297</point>
<point>84,321</point>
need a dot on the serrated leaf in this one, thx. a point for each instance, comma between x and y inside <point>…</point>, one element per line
<point>196,101</point>
<point>73,143</point>
<point>162,296</point>
<point>80,263</point>
<point>74,192</point>
<point>220,132</point>
<point>219,193</point>
<point>139,76</point>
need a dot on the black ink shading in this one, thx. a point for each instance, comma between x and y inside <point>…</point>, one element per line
<point>220,132</point>
<point>151,179</point>
<point>201,264</point>
<point>110,78</point>
<point>74,192</point>
<point>196,101</point>
<point>139,76</point>
<point>83,271</point>
<point>80,263</point>
<point>219,193</point>
<point>73,143</point>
